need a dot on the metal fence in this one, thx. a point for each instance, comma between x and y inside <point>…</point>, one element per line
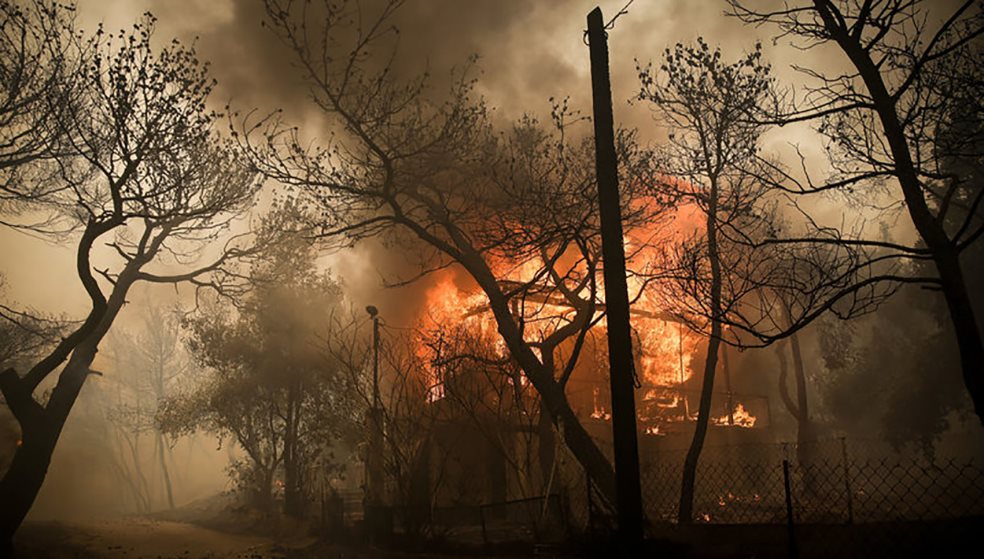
<point>817,500</point>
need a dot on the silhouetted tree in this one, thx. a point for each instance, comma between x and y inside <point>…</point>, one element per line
<point>913,67</point>
<point>269,385</point>
<point>710,163</point>
<point>435,179</point>
<point>139,169</point>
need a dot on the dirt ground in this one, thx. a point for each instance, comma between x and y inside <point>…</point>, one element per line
<point>146,538</point>
<point>142,538</point>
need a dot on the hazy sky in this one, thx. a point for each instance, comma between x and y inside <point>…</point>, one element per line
<point>529,51</point>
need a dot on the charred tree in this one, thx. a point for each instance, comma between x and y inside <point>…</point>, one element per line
<point>712,276</point>
<point>686,509</point>
<point>798,408</point>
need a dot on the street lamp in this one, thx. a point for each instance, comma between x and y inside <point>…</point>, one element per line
<point>374,314</point>
<point>374,450</point>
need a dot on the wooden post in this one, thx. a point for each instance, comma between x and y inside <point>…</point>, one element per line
<point>727,383</point>
<point>628,493</point>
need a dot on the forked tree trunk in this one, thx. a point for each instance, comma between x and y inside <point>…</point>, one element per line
<point>42,425</point>
<point>805,432</point>
<point>40,430</point>
<point>799,410</point>
<point>554,400</point>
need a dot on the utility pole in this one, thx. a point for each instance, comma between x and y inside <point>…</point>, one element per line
<point>628,492</point>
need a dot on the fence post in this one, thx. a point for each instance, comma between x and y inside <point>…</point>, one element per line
<point>847,482</point>
<point>790,524</point>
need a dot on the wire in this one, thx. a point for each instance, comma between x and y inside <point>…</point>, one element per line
<point>611,23</point>
<point>623,11</point>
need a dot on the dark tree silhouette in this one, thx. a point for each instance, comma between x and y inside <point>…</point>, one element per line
<point>401,165</point>
<point>712,168</point>
<point>914,68</point>
<point>140,169</point>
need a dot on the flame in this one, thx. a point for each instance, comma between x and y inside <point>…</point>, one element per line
<point>740,416</point>
<point>457,309</point>
<point>599,410</point>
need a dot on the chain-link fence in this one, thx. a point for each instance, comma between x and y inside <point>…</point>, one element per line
<point>816,500</point>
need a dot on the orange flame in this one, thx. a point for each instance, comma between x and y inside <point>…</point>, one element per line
<point>740,416</point>
<point>665,348</point>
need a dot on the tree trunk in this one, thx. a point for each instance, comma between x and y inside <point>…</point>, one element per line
<point>805,435</point>
<point>572,433</point>
<point>943,250</point>
<point>293,502</point>
<point>21,483</point>
<point>686,510</point>
<point>41,426</point>
<point>964,326</point>
<point>579,442</point>
<point>165,474</point>
<point>688,485</point>
<point>40,429</point>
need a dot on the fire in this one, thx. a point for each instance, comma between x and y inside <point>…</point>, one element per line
<point>738,418</point>
<point>599,410</point>
<point>457,320</point>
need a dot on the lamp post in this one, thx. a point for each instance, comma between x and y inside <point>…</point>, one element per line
<point>374,451</point>
<point>374,314</point>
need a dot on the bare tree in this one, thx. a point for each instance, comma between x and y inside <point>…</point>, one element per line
<point>145,174</point>
<point>414,469</point>
<point>914,68</point>
<point>798,408</point>
<point>711,164</point>
<point>434,178</point>
<point>484,389</point>
<point>39,72</point>
<point>149,362</point>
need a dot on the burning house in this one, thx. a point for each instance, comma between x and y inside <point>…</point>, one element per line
<point>490,442</point>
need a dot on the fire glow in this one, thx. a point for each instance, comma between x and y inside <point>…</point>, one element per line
<point>457,309</point>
